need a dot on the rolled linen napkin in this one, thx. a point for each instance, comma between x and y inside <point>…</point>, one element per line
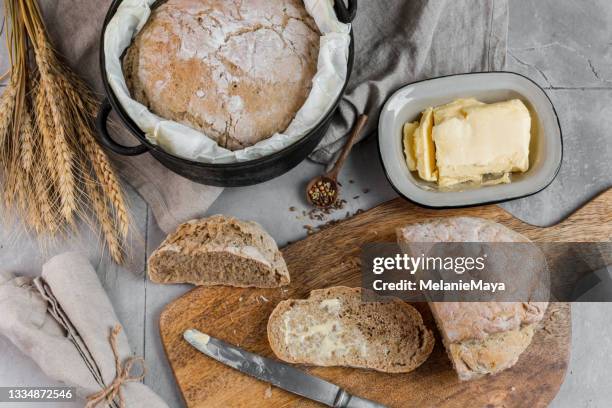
<point>63,320</point>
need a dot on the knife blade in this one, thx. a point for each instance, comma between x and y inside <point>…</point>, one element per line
<point>279,374</point>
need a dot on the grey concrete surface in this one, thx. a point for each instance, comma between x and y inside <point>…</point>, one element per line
<point>565,46</point>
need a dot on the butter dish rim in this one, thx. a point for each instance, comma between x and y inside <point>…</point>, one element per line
<point>459,199</point>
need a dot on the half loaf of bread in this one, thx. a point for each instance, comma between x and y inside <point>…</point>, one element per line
<point>335,327</point>
<point>219,250</point>
<point>480,337</point>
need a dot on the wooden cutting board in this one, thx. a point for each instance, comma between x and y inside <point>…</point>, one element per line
<point>330,258</point>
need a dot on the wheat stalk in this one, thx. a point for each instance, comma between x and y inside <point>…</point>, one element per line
<point>83,119</point>
<point>27,141</point>
<point>7,108</point>
<point>52,102</point>
<point>52,167</point>
<point>28,155</point>
<point>108,181</point>
<point>7,105</point>
<point>107,225</point>
<point>43,204</point>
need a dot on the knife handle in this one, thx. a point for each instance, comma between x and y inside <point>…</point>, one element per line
<point>346,400</point>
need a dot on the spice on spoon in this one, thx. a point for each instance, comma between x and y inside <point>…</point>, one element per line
<point>323,193</point>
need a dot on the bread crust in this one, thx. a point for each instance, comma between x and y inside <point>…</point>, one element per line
<point>236,70</point>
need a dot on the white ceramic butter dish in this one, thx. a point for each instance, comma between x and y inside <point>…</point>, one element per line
<point>405,105</point>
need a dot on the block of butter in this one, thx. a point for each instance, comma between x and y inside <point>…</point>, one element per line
<point>466,140</point>
<point>454,109</point>
<point>424,149</point>
<point>409,129</point>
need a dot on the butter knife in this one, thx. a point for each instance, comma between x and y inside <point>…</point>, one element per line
<point>279,374</point>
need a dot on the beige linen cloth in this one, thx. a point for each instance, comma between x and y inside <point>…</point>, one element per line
<point>397,42</point>
<point>62,320</point>
<point>402,41</point>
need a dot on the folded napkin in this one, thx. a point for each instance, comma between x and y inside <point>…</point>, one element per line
<point>397,42</point>
<point>63,320</point>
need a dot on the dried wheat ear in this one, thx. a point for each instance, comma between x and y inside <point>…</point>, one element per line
<point>53,171</point>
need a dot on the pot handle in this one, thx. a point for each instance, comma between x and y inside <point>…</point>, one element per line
<point>346,14</point>
<point>107,141</point>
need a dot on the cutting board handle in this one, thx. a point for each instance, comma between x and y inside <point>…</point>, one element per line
<point>594,218</point>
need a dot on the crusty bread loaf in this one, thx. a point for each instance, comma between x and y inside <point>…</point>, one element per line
<point>237,70</point>
<point>333,327</point>
<point>219,250</point>
<point>480,338</point>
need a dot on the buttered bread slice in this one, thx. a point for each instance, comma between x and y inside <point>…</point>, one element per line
<point>334,327</point>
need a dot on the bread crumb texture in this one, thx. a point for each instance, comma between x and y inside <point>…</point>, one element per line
<point>236,70</point>
<point>219,250</point>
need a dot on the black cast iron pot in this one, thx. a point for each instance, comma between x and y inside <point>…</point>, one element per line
<point>224,175</point>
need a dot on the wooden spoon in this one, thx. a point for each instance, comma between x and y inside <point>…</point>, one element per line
<point>323,191</point>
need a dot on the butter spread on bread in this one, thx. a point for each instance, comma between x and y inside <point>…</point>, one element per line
<point>336,327</point>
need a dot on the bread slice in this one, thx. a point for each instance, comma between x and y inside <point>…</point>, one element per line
<point>480,338</point>
<point>219,250</point>
<point>334,327</point>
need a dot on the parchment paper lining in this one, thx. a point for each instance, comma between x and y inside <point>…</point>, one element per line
<point>188,143</point>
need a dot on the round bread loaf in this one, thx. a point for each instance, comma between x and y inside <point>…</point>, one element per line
<point>480,337</point>
<point>237,70</point>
